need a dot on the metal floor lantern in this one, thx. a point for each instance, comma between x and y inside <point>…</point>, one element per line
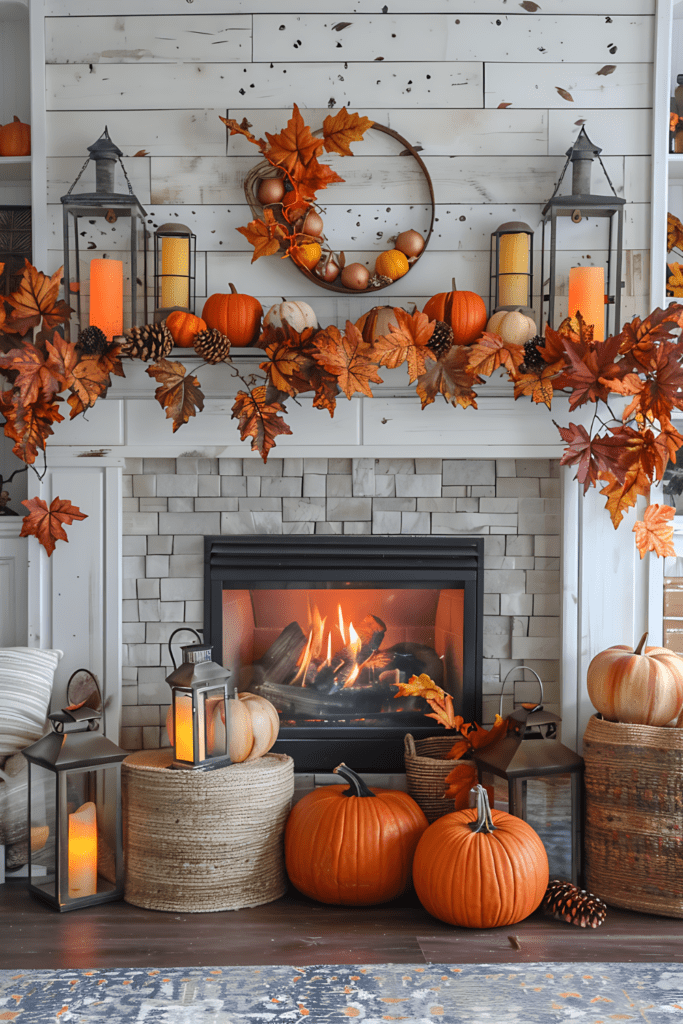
<point>531,750</point>
<point>200,708</point>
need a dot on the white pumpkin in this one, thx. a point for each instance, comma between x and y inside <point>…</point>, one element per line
<point>512,326</point>
<point>254,726</point>
<point>298,315</point>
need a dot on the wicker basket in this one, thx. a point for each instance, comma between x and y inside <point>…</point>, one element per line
<point>426,771</point>
<point>205,841</point>
<point>634,816</point>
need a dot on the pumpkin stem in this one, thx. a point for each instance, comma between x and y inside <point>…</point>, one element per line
<point>484,822</point>
<point>357,787</point>
<point>233,289</point>
<point>453,285</point>
<point>641,644</point>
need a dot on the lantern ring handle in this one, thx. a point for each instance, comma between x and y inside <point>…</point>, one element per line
<point>181,629</point>
<point>516,668</point>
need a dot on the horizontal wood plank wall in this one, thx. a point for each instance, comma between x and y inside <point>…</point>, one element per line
<point>479,85</point>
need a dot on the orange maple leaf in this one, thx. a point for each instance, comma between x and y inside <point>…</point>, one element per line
<point>538,383</point>
<point>36,298</point>
<point>258,418</point>
<point>674,231</point>
<point>92,380</point>
<point>656,532</point>
<point>179,395</point>
<point>242,128</point>
<point>46,523</point>
<point>288,367</point>
<point>406,342</point>
<point>265,235</point>
<point>342,128</point>
<point>348,358</point>
<point>450,377</point>
<point>30,426</point>
<point>622,495</point>
<point>491,351</point>
<point>313,177</point>
<point>439,701</point>
<point>294,146</point>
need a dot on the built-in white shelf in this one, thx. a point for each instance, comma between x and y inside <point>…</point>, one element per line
<point>675,166</point>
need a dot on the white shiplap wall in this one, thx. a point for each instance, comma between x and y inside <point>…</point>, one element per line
<point>159,72</point>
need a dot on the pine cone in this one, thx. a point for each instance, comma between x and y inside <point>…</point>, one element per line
<point>567,902</point>
<point>212,346</point>
<point>92,341</point>
<point>151,341</point>
<point>533,360</point>
<point>442,338</point>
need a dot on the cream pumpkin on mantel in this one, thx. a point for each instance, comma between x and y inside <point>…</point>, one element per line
<point>638,687</point>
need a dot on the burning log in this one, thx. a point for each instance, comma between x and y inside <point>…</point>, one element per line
<point>343,668</point>
<point>280,661</point>
<point>411,659</point>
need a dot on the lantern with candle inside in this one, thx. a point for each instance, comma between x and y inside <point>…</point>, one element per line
<point>576,207</point>
<point>74,812</point>
<point>175,255</point>
<point>113,222</point>
<point>200,709</point>
<point>544,778</point>
<point>511,268</point>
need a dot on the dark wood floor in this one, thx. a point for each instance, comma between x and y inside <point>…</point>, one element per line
<point>297,931</point>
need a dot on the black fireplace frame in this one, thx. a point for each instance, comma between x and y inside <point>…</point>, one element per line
<point>241,560</point>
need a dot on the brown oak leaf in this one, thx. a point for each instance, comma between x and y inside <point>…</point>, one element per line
<point>36,298</point>
<point>294,146</point>
<point>538,383</point>
<point>265,235</point>
<point>406,342</point>
<point>259,420</point>
<point>621,496</point>
<point>348,358</point>
<point>47,524</point>
<point>178,394</point>
<point>656,532</point>
<point>491,352</point>
<point>450,377</point>
<point>343,128</point>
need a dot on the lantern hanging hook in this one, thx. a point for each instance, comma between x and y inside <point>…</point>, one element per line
<point>516,668</point>
<point>181,629</point>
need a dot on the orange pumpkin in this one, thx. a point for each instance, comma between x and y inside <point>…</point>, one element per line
<point>254,726</point>
<point>480,868</point>
<point>352,847</point>
<point>184,326</point>
<point>464,312</point>
<point>236,316</point>
<point>15,138</point>
<point>638,688</point>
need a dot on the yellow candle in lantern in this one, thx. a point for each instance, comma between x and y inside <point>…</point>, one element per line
<point>175,260</point>
<point>83,851</point>
<point>513,270</point>
<point>184,743</point>
<point>587,296</point>
<point>106,296</point>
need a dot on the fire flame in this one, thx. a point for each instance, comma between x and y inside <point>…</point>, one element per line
<point>319,638</point>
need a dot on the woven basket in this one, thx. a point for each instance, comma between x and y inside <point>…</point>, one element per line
<point>426,771</point>
<point>204,841</point>
<point>634,816</point>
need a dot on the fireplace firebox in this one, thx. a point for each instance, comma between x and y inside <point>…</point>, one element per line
<point>326,627</point>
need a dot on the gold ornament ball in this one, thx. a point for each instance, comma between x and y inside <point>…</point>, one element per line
<point>355,276</point>
<point>328,271</point>
<point>313,224</point>
<point>410,243</point>
<point>271,190</point>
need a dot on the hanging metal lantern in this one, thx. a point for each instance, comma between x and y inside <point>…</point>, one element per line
<point>511,268</point>
<point>581,203</point>
<point>175,261</point>
<point>531,750</point>
<point>106,284</point>
<point>200,710</point>
<point>74,812</point>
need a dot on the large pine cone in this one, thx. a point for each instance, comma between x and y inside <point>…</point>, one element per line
<point>151,341</point>
<point>568,903</point>
<point>212,346</point>
<point>92,341</point>
<point>442,338</point>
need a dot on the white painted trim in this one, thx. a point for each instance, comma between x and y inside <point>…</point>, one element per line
<point>38,133</point>
<point>570,607</point>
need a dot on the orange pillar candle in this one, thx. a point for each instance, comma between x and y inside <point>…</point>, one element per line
<point>83,852</point>
<point>513,270</point>
<point>106,296</point>
<point>175,260</point>
<point>587,296</point>
<point>184,743</point>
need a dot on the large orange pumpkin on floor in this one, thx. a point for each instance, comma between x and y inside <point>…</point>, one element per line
<point>642,687</point>
<point>15,138</point>
<point>236,316</point>
<point>354,846</point>
<point>480,868</point>
<point>464,312</point>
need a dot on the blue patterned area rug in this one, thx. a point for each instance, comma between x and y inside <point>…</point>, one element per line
<point>483,994</point>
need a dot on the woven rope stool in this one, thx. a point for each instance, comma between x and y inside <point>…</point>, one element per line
<point>204,841</point>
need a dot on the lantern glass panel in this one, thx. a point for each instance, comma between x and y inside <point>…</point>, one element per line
<point>546,804</point>
<point>216,735</point>
<point>182,710</point>
<point>88,832</point>
<point>43,829</point>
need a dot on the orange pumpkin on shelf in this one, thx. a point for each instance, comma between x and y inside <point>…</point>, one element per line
<point>236,316</point>
<point>480,868</point>
<point>184,327</point>
<point>464,312</point>
<point>352,847</point>
<point>640,687</point>
<point>254,726</point>
<point>15,138</point>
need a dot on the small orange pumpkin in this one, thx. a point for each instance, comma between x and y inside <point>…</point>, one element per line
<point>15,138</point>
<point>464,312</point>
<point>184,326</point>
<point>236,316</point>
<point>393,263</point>
<point>643,687</point>
<point>352,847</point>
<point>480,868</point>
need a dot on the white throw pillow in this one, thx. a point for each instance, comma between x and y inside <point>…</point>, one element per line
<point>26,677</point>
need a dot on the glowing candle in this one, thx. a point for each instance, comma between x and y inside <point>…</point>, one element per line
<point>587,296</point>
<point>83,851</point>
<point>184,743</point>
<point>106,296</point>
<point>175,260</point>
<point>513,270</point>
